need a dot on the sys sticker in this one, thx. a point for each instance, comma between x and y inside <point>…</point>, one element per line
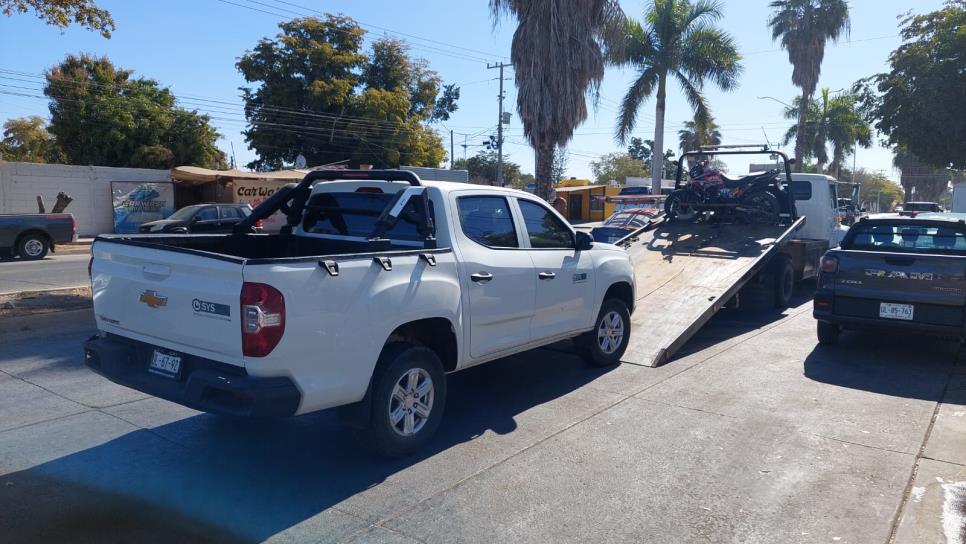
<point>211,309</point>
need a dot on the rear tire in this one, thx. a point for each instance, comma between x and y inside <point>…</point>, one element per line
<point>33,247</point>
<point>408,397</point>
<point>784,277</point>
<point>764,207</point>
<point>828,333</point>
<point>605,344</point>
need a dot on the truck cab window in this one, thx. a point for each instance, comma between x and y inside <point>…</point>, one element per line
<point>486,220</point>
<point>545,229</point>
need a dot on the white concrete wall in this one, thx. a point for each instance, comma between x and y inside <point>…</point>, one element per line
<point>90,186</point>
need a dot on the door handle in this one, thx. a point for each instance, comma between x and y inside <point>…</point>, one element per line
<point>481,277</point>
<point>547,275</point>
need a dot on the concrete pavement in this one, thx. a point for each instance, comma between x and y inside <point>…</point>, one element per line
<point>57,270</point>
<point>755,434</point>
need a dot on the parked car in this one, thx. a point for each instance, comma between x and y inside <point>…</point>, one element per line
<point>622,223</point>
<point>31,235</point>
<point>371,293</point>
<point>895,272</point>
<point>199,219</point>
<point>914,208</point>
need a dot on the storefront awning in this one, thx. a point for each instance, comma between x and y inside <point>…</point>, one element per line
<point>194,175</point>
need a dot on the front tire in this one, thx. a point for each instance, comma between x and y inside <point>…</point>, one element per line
<point>606,343</point>
<point>33,247</point>
<point>828,333</point>
<point>408,397</point>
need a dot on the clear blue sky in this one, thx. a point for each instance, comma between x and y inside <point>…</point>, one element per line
<point>191,47</point>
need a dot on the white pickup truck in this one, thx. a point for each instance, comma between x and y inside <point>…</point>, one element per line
<point>377,286</point>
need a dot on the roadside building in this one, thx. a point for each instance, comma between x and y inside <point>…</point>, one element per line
<point>583,201</point>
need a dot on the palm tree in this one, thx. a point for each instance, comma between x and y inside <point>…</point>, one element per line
<point>698,133</point>
<point>678,40</point>
<point>804,27</point>
<point>831,120</point>
<point>557,56</point>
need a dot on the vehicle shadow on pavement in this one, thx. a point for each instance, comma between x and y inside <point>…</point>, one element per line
<point>232,480</point>
<point>873,361</point>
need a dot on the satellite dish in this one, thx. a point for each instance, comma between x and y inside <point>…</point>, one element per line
<point>300,161</point>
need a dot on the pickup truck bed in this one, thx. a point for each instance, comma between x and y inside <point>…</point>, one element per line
<point>685,272</point>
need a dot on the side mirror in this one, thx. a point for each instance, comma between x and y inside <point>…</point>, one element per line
<point>863,210</point>
<point>196,219</point>
<point>584,241</point>
<point>791,161</point>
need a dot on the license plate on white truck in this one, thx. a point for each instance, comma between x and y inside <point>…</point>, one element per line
<point>890,310</point>
<point>165,364</point>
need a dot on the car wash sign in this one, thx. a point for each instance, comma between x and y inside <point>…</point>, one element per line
<point>254,192</point>
<point>136,203</point>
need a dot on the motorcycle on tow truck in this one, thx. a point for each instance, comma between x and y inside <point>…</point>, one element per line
<point>749,199</point>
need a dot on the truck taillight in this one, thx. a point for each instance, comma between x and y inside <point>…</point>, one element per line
<point>260,223</point>
<point>262,318</point>
<point>829,264</point>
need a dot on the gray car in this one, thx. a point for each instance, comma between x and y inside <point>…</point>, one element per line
<point>31,235</point>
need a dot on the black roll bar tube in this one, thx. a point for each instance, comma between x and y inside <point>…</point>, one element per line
<point>299,194</point>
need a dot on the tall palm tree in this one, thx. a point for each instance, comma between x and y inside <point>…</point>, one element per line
<point>804,27</point>
<point>678,40</point>
<point>835,121</point>
<point>557,56</point>
<point>698,133</point>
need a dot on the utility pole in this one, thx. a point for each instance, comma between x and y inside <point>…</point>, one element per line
<point>499,124</point>
<point>452,157</point>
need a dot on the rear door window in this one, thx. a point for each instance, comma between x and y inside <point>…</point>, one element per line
<point>487,221</point>
<point>208,213</point>
<point>906,238</point>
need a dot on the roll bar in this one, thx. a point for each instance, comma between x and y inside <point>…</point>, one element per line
<point>299,194</point>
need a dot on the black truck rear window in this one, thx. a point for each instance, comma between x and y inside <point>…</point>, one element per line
<point>906,238</point>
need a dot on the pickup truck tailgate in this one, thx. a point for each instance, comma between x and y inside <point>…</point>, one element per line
<point>176,300</point>
<point>933,284</point>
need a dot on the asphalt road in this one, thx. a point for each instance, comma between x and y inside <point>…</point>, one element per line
<point>754,434</point>
<point>56,270</point>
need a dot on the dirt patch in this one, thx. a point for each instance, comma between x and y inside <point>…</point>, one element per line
<point>40,302</point>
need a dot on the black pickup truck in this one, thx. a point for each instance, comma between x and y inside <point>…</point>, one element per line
<point>32,235</point>
<point>895,273</point>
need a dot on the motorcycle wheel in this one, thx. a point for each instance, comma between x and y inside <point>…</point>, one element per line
<point>680,205</point>
<point>763,207</point>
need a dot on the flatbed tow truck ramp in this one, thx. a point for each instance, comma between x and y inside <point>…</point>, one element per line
<point>686,272</point>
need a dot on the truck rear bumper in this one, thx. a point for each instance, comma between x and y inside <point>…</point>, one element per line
<point>203,384</point>
<point>879,324</point>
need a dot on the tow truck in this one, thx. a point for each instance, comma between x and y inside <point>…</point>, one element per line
<point>686,271</point>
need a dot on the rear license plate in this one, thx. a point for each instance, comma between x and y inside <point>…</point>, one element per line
<point>889,310</point>
<point>165,364</point>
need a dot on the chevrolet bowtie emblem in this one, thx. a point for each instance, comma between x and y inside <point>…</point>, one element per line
<point>152,299</point>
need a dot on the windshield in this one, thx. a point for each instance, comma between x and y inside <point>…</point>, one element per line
<point>906,238</point>
<point>183,213</point>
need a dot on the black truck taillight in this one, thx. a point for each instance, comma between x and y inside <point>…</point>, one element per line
<point>829,264</point>
<point>262,318</point>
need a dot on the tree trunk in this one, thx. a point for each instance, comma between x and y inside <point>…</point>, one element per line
<point>657,152</point>
<point>544,170</point>
<point>800,136</point>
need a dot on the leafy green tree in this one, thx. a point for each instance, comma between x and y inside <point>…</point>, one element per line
<point>804,27</point>
<point>678,40</point>
<point>617,166</point>
<point>643,150</point>
<point>319,95</point>
<point>919,104</point>
<point>484,166</point>
<point>101,115</point>
<point>27,140</point>
<point>830,121</point>
<point>557,58</point>
<point>560,159</point>
<point>877,193</point>
<point>61,13</point>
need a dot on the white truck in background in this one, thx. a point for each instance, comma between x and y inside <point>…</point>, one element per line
<point>376,287</point>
